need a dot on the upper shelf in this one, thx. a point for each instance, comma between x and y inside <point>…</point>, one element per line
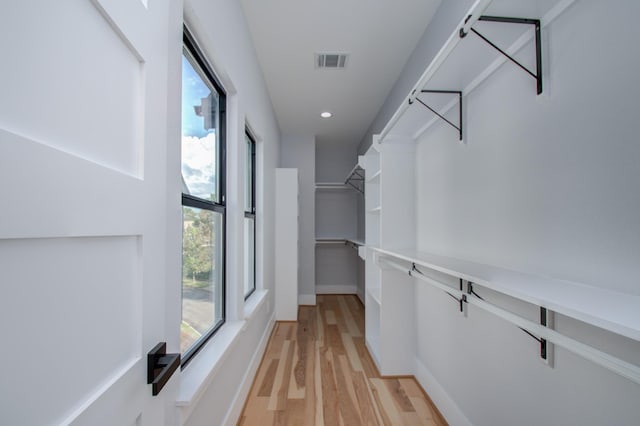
<point>463,63</point>
<point>613,311</point>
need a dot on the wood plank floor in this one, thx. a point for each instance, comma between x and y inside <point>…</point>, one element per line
<point>317,371</point>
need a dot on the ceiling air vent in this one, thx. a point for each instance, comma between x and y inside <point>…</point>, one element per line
<point>331,60</point>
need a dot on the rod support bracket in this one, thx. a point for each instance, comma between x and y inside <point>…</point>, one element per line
<point>459,127</point>
<point>537,38</point>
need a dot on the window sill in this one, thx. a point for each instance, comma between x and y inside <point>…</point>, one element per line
<point>198,374</point>
<point>253,303</point>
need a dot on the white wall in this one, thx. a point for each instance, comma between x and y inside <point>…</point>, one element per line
<point>334,161</point>
<point>547,185</point>
<point>298,151</point>
<point>221,29</point>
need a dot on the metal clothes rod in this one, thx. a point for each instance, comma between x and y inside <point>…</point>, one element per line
<point>336,241</point>
<point>616,365</point>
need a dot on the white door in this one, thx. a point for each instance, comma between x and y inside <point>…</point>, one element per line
<point>82,210</point>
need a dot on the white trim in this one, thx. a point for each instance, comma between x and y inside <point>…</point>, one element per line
<point>446,405</point>
<point>337,289</point>
<point>307,299</point>
<point>233,415</point>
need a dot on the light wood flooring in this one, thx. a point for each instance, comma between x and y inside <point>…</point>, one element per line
<point>317,371</point>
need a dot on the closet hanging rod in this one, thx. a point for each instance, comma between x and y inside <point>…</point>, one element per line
<point>616,365</point>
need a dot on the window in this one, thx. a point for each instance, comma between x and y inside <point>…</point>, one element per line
<point>250,217</point>
<point>203,201</point>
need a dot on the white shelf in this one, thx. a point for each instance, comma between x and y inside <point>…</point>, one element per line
<point>613,311</point>
<point>376,294</point>
<point>375,210</point>
<point>375,177</point>
<point>333,186</point>
<point>465,63</point>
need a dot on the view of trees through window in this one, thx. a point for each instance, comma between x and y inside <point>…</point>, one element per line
<point>203,204</point>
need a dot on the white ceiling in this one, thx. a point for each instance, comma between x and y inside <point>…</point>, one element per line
<point>379,35</point>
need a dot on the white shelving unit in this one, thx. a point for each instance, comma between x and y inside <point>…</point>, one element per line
<point>286,303</point>
<point>462,65</point>
<point>389,319</point>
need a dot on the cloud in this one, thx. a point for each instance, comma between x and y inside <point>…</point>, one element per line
<point>198,159</point>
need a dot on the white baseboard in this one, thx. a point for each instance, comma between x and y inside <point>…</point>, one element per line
<point>448,408</point>
<point>233,415</point>
<point>337,289</point>
<point>306,299</point>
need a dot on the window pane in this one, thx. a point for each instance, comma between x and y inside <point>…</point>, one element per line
<point>248,190</point>
<point>202,268</point>
<point>200,125</point>
<point>249,255</point>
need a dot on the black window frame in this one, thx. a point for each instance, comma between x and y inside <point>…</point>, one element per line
<point>191,48</point>
<point>250,210</point>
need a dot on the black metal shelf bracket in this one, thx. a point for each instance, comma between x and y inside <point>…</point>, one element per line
<point>544,316</point>
<point>538,41</point>
<point>160,367</point>
<point>545,320</point>
<point>356,180</point>
<point>455,92</point>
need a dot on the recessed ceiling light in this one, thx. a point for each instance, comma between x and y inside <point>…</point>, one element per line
<point>326,114</point>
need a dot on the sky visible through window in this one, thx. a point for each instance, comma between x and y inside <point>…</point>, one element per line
<point>198,134</point>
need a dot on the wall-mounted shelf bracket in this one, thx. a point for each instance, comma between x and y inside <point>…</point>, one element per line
<point>455,92</point>
<point>462,300</point>
<point>355,179</point>
<point>536,23</point>
<point>546,320</point>
<point>545,347</point>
